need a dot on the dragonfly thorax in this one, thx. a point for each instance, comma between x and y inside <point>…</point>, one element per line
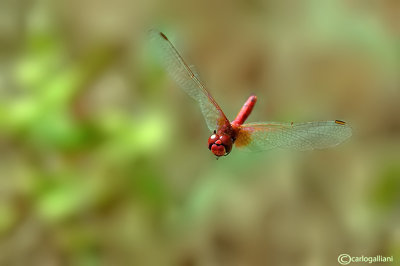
<point>220,144</point>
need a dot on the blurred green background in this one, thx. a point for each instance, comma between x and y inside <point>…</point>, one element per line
<point>104,160</point>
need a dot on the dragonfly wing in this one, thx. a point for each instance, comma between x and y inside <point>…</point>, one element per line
<point>189,81</point>
<point>295,136</point>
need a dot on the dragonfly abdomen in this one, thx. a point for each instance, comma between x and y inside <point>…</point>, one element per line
<point>245,111</point>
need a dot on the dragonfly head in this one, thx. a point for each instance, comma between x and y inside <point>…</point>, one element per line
<point>220,144</point>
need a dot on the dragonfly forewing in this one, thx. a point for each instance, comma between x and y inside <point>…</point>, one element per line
<point>189,81</point>
<point>294,136</point>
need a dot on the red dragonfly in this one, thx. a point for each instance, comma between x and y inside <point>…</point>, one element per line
<point>251,136</point>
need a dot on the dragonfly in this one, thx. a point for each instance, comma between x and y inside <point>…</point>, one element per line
<point>250,136</point>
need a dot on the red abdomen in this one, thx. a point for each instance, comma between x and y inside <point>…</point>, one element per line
<point>245,111</point>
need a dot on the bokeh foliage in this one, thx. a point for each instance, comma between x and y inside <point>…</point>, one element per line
<point>104,160</point>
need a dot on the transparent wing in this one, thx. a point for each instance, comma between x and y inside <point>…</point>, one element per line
<point>295,136</point>
<point>189,81</point>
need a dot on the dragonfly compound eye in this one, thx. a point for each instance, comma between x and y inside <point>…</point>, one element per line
<point>226,141</point>
<point>220,145</point>
<point>212,139</point>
